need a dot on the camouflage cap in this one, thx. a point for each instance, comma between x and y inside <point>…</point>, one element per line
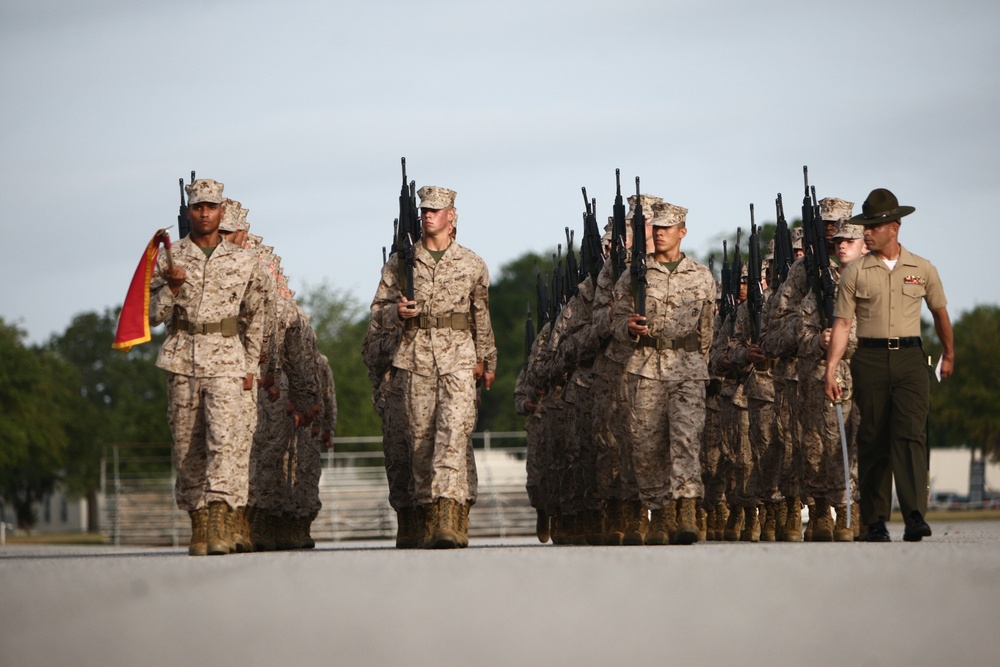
<point>254,241</point>
<point>241,220</point>
<point>848,230</point>
<point>436,198</point>
<point>204,190</point>
<point>647,205</point>
<point>832,209</point>
<point>796,238</point>
<point>668,215</point>
<point>230,214</point>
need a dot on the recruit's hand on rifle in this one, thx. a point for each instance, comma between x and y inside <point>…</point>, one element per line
<point>248,382</point>
<point>636,329</point>
<point>824,341</point>
<point>406,308</point>
<point>755,354</point>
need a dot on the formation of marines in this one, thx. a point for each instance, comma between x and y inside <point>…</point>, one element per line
<point>663,408</point>
<point>251,398</point>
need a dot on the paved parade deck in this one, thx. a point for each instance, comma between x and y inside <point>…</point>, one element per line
<point>510,602</point>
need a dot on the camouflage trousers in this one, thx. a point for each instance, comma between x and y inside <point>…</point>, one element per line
<point>586,473</point>
<point>534,456</point>
<point>269,489</point>
<point>395,447</point>
<point>766,449</point>
<point>716,468</point>
<point>666,423</point>
<point>577,449</point>
<point>304,473</point>
<point>441,413</point>
<point>736,425</point>
<point>607,391</point>
<point>822,458</point>
<point>788,433</point>
<point>208,423</point>
<point>554,452</point>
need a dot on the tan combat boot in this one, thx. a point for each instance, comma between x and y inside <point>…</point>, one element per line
<point>793,520</point>
<point>234,528</point>
<point>446,532</point>
<point>841,533</point>
<point>781,520</point>
<point>733,524</point>
<point>430,524</point>
<point>659,534</point>
<point>702,524</point>
<point>306,540</point>
<point>199,532</point>
<point>822,525</point>
<point>216,537</point>
<point>245,524</point>
<point>807,535</point>
<point>768,531</point>
<point>856,521</point>
<point>721,516</point>
<point>463,524</point>
<point>687,522</point>
<point>261,532</point>
<point>594,526</point>
<point>751,528</point>
<point>710,519</point>
<point>406,534</point>
<point>283,527</point>
<point>542,526</point>
<point>635,527</point>
<point>614,523</point>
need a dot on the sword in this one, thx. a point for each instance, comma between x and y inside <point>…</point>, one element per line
<point>847,463</point>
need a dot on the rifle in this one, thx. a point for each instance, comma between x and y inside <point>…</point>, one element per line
<point>755,296</point>
<point>735,279</point>
<point>783,253</point>
<point>592,258</point>
<point>529,333</point>
<point>183,224</point>
<point>407,229</point>
<point>572,271</point>
<point>541,295</point>
<point>727,282</point>
<point>618,230</point>
<point>639,257</point>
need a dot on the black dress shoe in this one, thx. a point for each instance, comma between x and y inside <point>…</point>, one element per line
<point>877,532</point>
<point>916,528</point>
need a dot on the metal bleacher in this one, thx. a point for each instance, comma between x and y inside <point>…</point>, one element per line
<point>139,508</point>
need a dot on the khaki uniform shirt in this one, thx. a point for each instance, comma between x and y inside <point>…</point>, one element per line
<point>887,303</point>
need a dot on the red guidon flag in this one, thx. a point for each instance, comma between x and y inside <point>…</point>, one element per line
<point>133,321</point>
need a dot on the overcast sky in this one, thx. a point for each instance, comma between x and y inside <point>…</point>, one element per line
<point>303,109</point>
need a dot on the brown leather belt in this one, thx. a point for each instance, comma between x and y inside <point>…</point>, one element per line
<point>227,327</point>
<point>890,343</point>
<point>689,343</point>
<point>456,321</point>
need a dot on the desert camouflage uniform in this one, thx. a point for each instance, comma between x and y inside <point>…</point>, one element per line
<point>666,387</point>
<point>537,437</point>
<point>716,466</point>
<point>205,371</point>
<point>822,462</point>
<point>438,363</point>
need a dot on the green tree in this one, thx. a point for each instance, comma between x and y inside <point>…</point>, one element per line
<point>963,406</point>
<point>39,404</point>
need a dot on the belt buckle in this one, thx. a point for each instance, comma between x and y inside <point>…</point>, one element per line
<point>893,343</point>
